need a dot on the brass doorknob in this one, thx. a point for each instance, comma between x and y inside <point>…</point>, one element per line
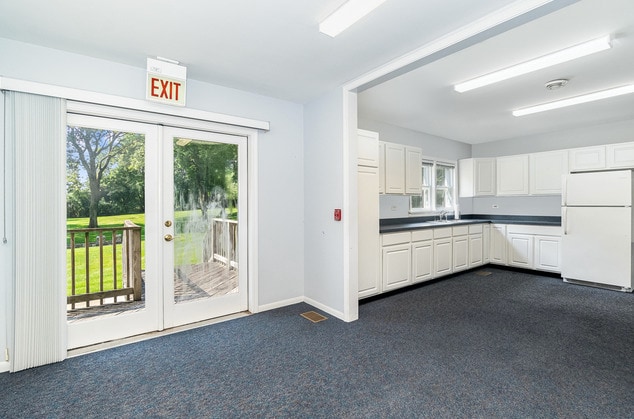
<point>168,237</point>
<point>168,223</point>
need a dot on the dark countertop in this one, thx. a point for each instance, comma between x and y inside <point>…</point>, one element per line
<point>394,225</point>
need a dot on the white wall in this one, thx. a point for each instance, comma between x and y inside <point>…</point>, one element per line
<point>323,184</point>
<point>280,161</point>
<point>394,206</point>
<point>433,146</point>
<point>616,132</point>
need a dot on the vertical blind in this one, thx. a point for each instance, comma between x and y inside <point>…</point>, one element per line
<point>35,131</point>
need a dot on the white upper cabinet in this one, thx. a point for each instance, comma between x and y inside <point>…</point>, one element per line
<point>620,156</point>
<point>512,175</point>
<point>587,158</point>
<point>402,169</point>
<point>546,170</point>
<point>413,170</point>
<point>381,167</point>
<point>394,168</point>
<point>476,177</point>
<point>367,148</point>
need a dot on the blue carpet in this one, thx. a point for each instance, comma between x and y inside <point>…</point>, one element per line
<point>511,344</point>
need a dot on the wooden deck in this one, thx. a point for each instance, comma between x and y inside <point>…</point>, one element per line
<point>191,282</point>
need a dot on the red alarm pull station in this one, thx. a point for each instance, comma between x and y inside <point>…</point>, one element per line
<point>337,214</point>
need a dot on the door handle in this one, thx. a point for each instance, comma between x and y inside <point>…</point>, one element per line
<point>168,237</point>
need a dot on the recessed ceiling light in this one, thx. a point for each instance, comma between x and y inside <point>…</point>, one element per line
<point>590,97</point>
<point>345,16</point>
<point>562,56</point>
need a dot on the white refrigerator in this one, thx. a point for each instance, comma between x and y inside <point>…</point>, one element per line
<point>597,229</point>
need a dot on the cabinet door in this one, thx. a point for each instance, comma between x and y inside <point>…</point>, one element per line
<point>498,244</point>
<point>476,177</point>
<point>460,253</point>
<point>381,167</point>
<point>548,253</point>
<point>484,183</point>
<point>475,250</point>
<point>369,239</point>
<point>394,168</point>
<point>520,250</point>
<point>367,148</point>
<point>422,261</point>
<point>396,266</point>
<point>486,243</point>
<point>620,156</point>
<point>512,175</point>
<point>587,158</point>
<point>546,170</point>
<point>443,260</point>
<point>413,170</point>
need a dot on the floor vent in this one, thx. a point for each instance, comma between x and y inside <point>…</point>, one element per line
<point>313,316</point>
<point>483,273</point>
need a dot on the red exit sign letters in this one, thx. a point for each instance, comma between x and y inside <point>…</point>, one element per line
<point>166,82</point>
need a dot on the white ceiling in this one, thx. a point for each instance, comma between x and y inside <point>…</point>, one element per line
<point>270,47</point>
<point>274,48</point>
<point>424,99</point>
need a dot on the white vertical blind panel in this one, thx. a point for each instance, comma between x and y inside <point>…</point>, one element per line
<point>37,128</point>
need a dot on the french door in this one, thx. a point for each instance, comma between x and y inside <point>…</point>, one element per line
<point>204,225</point>
<point>191,230</point>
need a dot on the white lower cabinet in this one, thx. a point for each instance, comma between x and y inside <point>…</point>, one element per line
<point>497,252</point>
<point>422,255</point>
<point>520,250</point>
<point>396,260</point>
<point>548,253</point>
<point>534,247</point>
<point>476,245</point>
<point>460,248</point>
<point>443,254</point>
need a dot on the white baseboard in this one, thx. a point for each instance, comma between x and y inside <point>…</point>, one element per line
<point>4,366</point>
<point>279,304</point>
<point>325,308</point>
<point>296,300</point>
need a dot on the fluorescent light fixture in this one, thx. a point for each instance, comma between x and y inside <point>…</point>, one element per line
<point>345,16</point>
<point>562,56</point>
<point>590,97</point>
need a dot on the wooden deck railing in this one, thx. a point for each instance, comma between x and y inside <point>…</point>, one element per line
<point>221,242</point>
<point>122,245</point>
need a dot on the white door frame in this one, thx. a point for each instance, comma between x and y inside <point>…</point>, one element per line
<point>97,110</point>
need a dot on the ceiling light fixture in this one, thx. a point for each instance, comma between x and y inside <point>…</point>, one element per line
<point>556,84</point>
<point>562,56</point>
<point>345,16</point>
<point>590,97</point>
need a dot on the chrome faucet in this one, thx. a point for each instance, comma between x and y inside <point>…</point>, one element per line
<point>443,213</point>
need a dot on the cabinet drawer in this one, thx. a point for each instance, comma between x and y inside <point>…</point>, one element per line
<point>460,230</point>
<point>395,238</point>
<point>440,233</point>
<point>475,229</point>
<point>420,235</point>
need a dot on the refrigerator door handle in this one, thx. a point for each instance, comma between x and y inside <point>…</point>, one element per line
<point>564,190</point>
<point>565,220</point>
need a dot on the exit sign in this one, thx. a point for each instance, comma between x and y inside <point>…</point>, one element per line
<point>166,82</point>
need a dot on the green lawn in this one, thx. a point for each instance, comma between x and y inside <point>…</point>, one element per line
<point>114,221</point>
<point>185,254</point>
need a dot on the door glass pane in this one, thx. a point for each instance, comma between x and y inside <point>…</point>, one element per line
<point>205,219</point>
<point>105,194</point>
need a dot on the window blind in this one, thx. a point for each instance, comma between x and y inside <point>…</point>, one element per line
<point>35,131</point>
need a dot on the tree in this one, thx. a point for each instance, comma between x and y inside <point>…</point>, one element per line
<point>123,188</point>
<point>205,174</point>
<point>93,150</point>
